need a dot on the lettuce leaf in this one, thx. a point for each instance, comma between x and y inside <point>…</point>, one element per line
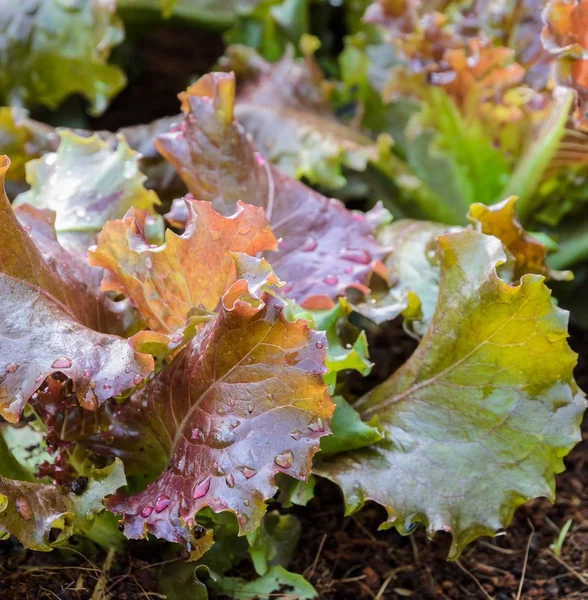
<point>86,183</point>
<point>478,419</point>
<point>52,49</point>
<point>284,106</point>
<point>564,37</point>
<point>243,402</point>
<point>51,324</point>
<point>43,516</point>
<point>277,578</point>
<point>324,249</point>
<point>161,281</point>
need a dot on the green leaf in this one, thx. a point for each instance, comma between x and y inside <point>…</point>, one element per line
<point>180,580</point>
<point>415,263</point>
<point>28,448</point>
<point>15,141</point>
<point>348,430</point>
<point>271,585</point>
<point>9,465</point>
<point>87,183</point>
<point>294,492</point>
<point>541,148</point>
<point>340,356</point>
<point>274,541</point>
<point>481,170</point>
<point>54,48</point>
<point>269,26</point>
<point>478,420</point>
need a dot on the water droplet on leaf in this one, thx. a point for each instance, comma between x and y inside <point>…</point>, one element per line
<point>284,459</point>
<point>248,473</point>
<point>161,503</point>
<point>317,425</point>
<point>138,379</point>
<point>230,481</point>
<point>11,367</point>
<point>24,508</point>
<point>201,489</point>
<point>61,363</point>
<point>360,257</point>
<point>331,280</point>
<point>309,244</point>
<point>146,512</point>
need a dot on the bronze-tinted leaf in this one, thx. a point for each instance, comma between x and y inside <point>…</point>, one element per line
<point>192,270</point>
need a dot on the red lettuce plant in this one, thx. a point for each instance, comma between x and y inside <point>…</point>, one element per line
<point>183,381</point>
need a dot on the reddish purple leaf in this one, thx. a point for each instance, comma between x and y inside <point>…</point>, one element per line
<point>243,402</point>
<point>325,248</point>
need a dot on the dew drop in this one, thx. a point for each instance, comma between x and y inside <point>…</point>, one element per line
<point>11,367</point>
<point>317,425</point>
<point>246,502</point>
<point>146,512</point>
<point>309,244</point>
<point>176,339</point>
<point>137,379</point>
<point>201,489</point>
<point>107,387</point>
<point>24,508</point>
<point>296,435</point>
<point>161,503</point>
<point>61,363</point>
<point>331,280</point>
<point>230,480</point>
<point>248,473</point>
<point>360,257</point>
<point>284,459</point>
<point>250,408</point>
<point>243,519</point>
<point>195,433</point>
<point>319,345</point>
